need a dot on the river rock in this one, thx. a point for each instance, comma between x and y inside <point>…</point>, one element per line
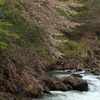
<point>95,71</point>
<point>77,75</point>
<point>55,83</point>
<point>76,83</point>
<point>78,69</point>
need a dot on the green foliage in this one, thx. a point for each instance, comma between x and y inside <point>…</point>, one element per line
<point>36,0</point>
<point>63,0</point>
<point>84,1</point>
<point>61,12</point>
<point>2,23</point>
<point>2,2</point>
<point>6,33</point>
<point>3,45</point>
<point>28,35</point>
<point>82,12</point>
<point>15,30</point>
<point>73,48</point>
<point>41,51</point>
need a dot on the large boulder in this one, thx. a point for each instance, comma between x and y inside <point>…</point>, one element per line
<point>76,75</point>
<point>55,83</point>
<point>76,83</point>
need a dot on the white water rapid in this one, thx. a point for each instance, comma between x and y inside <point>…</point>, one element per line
<point>92,94</point>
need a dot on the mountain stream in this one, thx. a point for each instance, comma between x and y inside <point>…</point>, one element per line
<point>92,94</point>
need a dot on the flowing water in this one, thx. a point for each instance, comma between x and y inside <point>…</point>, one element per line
<point>92,94</point>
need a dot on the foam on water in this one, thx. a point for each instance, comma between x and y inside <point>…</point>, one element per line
<point>92,94</point>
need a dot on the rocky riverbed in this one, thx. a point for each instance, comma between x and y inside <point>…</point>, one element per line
<point>93,81</point>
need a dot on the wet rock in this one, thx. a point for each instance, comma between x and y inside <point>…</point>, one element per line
<point>55,83</point>
<point>87,71</point>
<point>95,71</point>
<point>98,78</point>
<point>69,72</point>
<point>76,83</point>
<point>69,87</point>
<point>78,69</point>
<point>77,75</point>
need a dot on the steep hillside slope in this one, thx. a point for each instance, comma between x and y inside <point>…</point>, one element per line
<point>90,33</point>
<point>31,32</point>
<point>44,34</point>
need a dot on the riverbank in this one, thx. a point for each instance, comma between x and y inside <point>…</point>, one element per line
<point>92,94</point>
